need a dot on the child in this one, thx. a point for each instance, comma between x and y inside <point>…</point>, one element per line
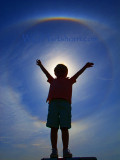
<point>59,111</point>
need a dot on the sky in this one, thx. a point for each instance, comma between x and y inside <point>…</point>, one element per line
<point>72,32</point>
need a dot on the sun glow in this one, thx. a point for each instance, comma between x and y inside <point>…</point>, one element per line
<point>55,57</point>
<point>61,59</point>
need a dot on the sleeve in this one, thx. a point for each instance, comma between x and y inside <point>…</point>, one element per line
<point>50,79</point>
<point>73,80</point>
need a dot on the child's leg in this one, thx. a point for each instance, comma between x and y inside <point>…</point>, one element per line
<point>65,137</point>
<point>54,135</point>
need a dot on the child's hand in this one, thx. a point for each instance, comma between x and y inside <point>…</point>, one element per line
<point>38,62</point>
<point>89,65</point>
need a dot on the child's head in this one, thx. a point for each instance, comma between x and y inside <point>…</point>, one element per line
<point>61,71</point>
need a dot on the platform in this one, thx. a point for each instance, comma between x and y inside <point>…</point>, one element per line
<point>73,158</point>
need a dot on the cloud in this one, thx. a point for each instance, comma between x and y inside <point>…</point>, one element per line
<point>97,134</point>
<point>20,130</point>
<point>16,124</point>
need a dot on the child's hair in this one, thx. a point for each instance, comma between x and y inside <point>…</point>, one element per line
<point>61,70</point>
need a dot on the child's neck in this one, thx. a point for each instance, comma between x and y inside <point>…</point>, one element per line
<point>60,77</point>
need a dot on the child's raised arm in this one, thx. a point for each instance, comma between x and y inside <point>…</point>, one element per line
<point>82,70</point>
<point>38,62</point>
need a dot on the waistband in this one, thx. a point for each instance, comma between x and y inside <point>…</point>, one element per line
<point>59,99</point>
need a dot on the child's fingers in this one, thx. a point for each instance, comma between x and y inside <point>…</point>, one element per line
<point>89,64</point>
<point>37,61</point>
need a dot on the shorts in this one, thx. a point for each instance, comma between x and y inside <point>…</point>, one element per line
<point>59,114</point>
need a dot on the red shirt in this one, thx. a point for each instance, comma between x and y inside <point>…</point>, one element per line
<point>60,88</point>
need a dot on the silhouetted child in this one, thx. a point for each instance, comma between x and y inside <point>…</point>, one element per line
<point>59,111</point>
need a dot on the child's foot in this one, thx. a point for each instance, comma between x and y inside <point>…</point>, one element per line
<point>54,153</point>
<point>67,154</point>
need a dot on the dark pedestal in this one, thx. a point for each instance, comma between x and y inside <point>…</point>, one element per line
<point>73,158</point>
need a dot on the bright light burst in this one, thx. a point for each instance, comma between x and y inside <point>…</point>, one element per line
<point>60,59</point>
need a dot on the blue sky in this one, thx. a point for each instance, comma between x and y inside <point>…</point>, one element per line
<point>57,31</point>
